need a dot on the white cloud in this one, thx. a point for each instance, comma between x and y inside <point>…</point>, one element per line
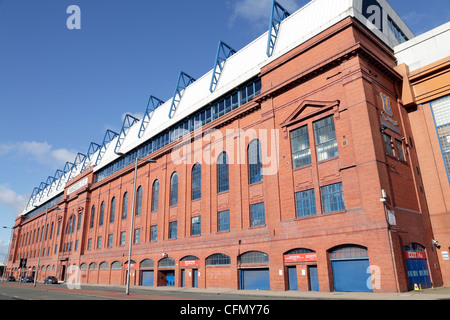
<point>257,12</point>
<point>40,152</point>
<point>11,199</point>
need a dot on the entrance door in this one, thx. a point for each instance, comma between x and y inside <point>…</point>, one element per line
<point>170,278</point>
<point>292,278</point>
<point>418,273</point>
<point>182,277</point>
<point>147,278</point>
<point>313,278</point>
<point>195,278</point>
<point>63,273</point>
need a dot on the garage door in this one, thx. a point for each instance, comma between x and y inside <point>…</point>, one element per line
<point>350,266</point>
<point>351,275</point>
<point>255,279</point>
<point>147,278</point>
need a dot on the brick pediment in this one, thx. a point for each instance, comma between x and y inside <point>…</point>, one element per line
<point>307,109</point>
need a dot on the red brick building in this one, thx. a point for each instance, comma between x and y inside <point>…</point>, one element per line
<point>292,169</point>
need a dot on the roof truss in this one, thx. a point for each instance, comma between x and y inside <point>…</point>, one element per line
<point>109,136</point>
<point>278,14</point>
<point>184,81</point>
<point>152,105</point>
<point>224,51</point>
<point>128,122</point>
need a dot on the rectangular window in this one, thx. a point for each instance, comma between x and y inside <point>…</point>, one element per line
<point>153,233</point>
<point>99,242</point>
<point>196,223</point>
<point>305,203</point>
<point>400,151</point>
<point>137,236</point>
<point>122,238</point>
<point>223,221</point>
<point>257,215</point>
<point>89,248</point>
<point>301,151</point>
<point>441,115</point>
<point>173,230</point>
<point>110,241</point>
<point>388,144</point>
<point>325,135</point>
<point>332,198</point>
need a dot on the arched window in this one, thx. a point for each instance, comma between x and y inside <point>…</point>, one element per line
<point>116,265</point>
<point>254,162</point>
<point>174,189</point>
<point>104,265</point>
<point>147,264</point>
<point>125,205</point>
<point>222,173</point>
<point>254,257</point>
<point>113,210</point>
<point>218,259</point>
<point>196,182</point>
<point>350,251</point>
<point>92,217</point>
<point>102,213</point>
<point>155,195</point>
<point>166,263</point>
<point>139,201</point>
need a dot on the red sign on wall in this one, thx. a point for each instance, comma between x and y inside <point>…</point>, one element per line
<point>415,255</point>
<point>191,263</point>
<point>301,257</point>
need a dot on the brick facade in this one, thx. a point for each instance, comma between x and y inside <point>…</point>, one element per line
<point>341,73</point>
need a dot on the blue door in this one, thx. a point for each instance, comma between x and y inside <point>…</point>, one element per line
<point>195,278</point>
<point>255,279</point>
<point>170,279</point>
<point>418,273</point>
<point>292,278</point>
<point>182,278</point>
<point>313,278</point>
<point>351,275</point>
<point>147,278</point>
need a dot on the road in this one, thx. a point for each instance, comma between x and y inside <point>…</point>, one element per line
<point>26,291</point>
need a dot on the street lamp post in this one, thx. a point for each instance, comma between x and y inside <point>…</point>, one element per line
<point>133,208</point>
<point>40,247</point>
<point>9,250</point>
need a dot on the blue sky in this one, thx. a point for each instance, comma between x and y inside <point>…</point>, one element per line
<point>61,89</point>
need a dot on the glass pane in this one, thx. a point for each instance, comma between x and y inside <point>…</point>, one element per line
<point>332,198</point>
<point>301,151</point>
<point>325,135</point>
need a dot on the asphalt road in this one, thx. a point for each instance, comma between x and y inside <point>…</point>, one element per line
<point>26,291</point>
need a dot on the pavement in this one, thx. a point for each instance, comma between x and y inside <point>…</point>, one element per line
<point>439,293</point>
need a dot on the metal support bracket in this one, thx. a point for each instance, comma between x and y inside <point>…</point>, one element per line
<point>184,81</point>
<point>152,105</point>
<point>109,136</point>
<point>224,51</point>
<point>128,122</point>
<point>278,14</point>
